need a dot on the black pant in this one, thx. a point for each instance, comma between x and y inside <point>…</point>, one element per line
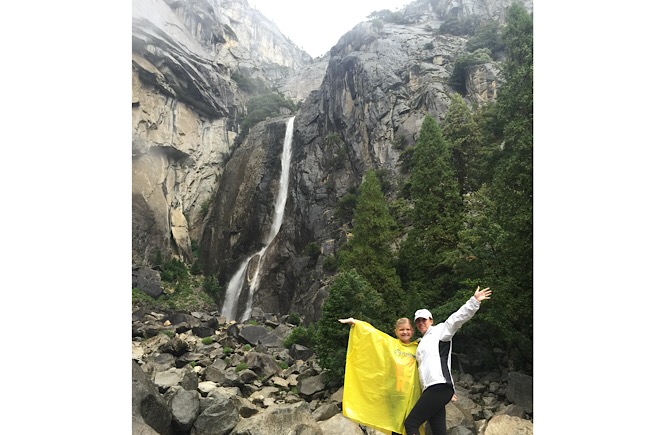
<point>431,406</point>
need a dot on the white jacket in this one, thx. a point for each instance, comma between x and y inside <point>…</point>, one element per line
<point>435,348</point>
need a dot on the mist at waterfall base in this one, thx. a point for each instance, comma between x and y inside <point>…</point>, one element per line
<point>234,290</point>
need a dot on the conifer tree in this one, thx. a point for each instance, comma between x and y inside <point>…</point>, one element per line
<point>370,249</point>
<point>350,296</point>
<point>427,255</point>
<point>460,129</point>
<point>496,242</point>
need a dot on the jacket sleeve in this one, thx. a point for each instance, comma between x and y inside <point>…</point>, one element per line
<point>458,318</point>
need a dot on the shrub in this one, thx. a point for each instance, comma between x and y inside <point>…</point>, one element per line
<point>312,249</point>
<point>345,206</point>
<point>174,270</point>
<point>247,347</point>
<point>241,366</point>
<point>294,319</point>
<point>350,296</point>
<point>207,340</point>
<point>301,335</point>
<point>262,107</point>
<point>487,36</point>
<point>459,26</point>
<point>211,286</point>
<point>330,263</point>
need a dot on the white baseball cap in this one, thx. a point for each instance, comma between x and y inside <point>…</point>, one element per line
<point>425,314</point>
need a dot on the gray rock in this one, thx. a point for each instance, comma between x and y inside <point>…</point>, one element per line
<point>280,419</point>
<point>147,280</point>
<point>311,385</point>
<point>184,406</point>
<point>519,390</point>
<point>218,419</point>
<point>508,425</point>
<point>148,406</point>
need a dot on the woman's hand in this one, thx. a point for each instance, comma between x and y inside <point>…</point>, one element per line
<point>483,294</point>
<point>350,320</point>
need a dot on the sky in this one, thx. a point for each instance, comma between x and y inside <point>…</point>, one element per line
<point>316,26</point>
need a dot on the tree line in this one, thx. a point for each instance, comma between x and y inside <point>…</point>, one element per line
<point>463,218</point>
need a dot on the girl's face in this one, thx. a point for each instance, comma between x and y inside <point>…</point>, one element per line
<point>404,332</point>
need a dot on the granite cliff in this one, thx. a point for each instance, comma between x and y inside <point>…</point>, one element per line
<point>198,178</point>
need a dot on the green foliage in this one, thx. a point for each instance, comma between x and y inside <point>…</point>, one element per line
<point>301,335</point>
<point>495,241</point>
<point>159,259</point>
<point>461,131</point>
<point>459,26</point>
<point>205,206</point>
<point>142,298</point>
<point>185,294</point>
<point>369,251</point>
<point>241,366</point>
<point>313,249</point>
<point>207,340</point>
<point>428,253</point>
<point>333,139</point>
<point>264,106</point>
<point>167,332</point>
<point>457,79</point>
<point>400,142</point>
<point>345,206</point>
<point>388,16</point>
<point>488,35</point>
<point>249,84</point>
<point>227,349</point>
<point>330,263</point>
<point>174,270</point>
<point>282,365</point>
<point>335,152</point>
<point>294,319</point>
<point>401,211</point>
<point>196,268</point>
<point>247,347</point>
<point>350,296</point>
<point>211,287</point>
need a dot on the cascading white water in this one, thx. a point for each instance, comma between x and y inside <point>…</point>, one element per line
<point>235,285</point>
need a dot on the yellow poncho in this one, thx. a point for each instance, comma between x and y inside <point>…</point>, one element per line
<point>381,382</point>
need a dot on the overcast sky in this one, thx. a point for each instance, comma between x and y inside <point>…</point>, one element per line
<point>316,26</point>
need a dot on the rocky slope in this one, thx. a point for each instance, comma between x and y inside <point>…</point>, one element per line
<point>194,373</point>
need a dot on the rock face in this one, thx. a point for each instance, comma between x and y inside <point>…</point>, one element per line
<point>187,59</point>
<point>183,383</point>
<point>195,180</point>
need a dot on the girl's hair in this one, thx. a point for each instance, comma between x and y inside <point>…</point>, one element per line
<point>403,320</point>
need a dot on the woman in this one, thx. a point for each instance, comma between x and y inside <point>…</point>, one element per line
<point>380,381</point>
<point>433,356</point>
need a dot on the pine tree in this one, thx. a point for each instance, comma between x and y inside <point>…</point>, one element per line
<point>496,242</point>
<point>370,249</point>
<point>461,131</point>
<point>428,253</point>
<point>350,296</point>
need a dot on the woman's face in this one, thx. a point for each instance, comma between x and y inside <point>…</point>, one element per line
<point>404,332</point>
<point>423,324</point>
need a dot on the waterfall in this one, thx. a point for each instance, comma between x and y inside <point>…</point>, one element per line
<point>234,288</point>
